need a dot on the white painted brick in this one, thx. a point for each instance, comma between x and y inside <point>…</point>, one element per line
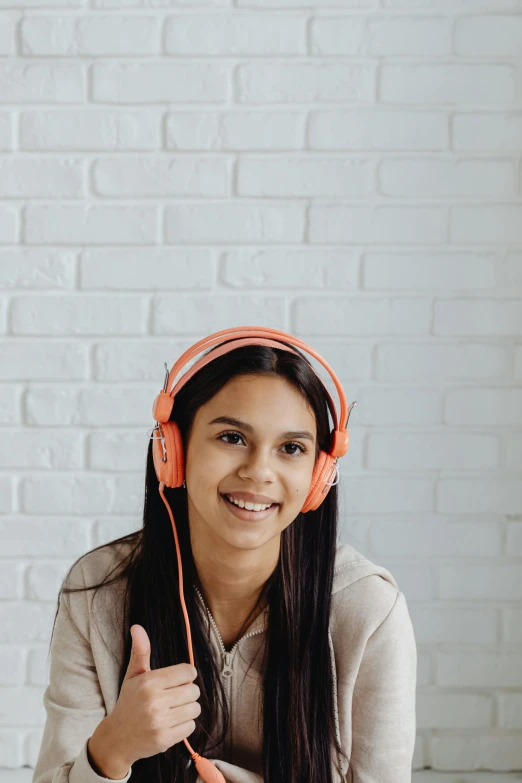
<point>512,624</point>
<point>22,706</point>
<point>454,178</point>
<point>3,314</point>
<point>110,34</point>
<point>63,493</point>
<point>172,315</point>
<point>339,35</point>
<point>510,710</point>
<point>6,131</point>
<point>479,496</point>
<point>361,316</point>
<point>41,83</point>
<point>303,177</point>
<point>481,317</point>
<point>436,539</point>
<point>89,129</point>
<point>454,710</point>
<point>354,529</point>
<point>430,362</point>
<point>491,407</point>
<point>424,668</point>
<point>141,360</point>
<point>479,751</point>
<point>492,224</point>
<point>38,667</point>
<point>8,25</point>
<point>430,450</point>
<point>26,622</point>
<point>291,269</point>
<point>10,405</point>
<point>228,34</point>
<point>415,580</point>
<point>403,36</point>
<point>117,451</point>
<point>119,4</point>
<point>12,666</point>
<point>91,224</point>
<point>8,224</point>
<point>235,130</point>
<point>487,131</point>
<point>43,3</point>
<point>438,623</point>
<point>514,538</point>
<point>289,82</point>
<point>517,368</point>
<point>510,270</point>
<point>160,82</point>
<point>11,754</point>
<point>391,406</point>
<point>306,3</point>
<point>370,494</point>
<point>233,222</point>
<point>37,177</point>
<point>83,494</point>
<point>474,669</point>
<point>39,360</point>
<point>38,268</point>
<point>484,581</point>
<point>352,360</point>
<point>419,756</point>
<point>41,449</point>
<point>452,5</point>
<point>488,36</point>
<point>32,744</point>
<point>11,579</point>
<point>171,176</point>
<point>378,129</point>
<point>447,83</point>
<point>90,406</point>
<point>142,269</point>
<point>78,314</point>
<point>106,530</point>
<point>429,270</point>
<point>377,223</point>
<point>44,579</point>
<point>22,536</point>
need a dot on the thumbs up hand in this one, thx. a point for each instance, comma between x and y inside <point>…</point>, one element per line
<point>155,709</point>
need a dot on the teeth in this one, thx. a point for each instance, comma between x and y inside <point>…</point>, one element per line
<point>248,506</point>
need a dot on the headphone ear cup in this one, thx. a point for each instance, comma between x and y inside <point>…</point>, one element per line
<point>322,471</point>
<point>171,472</point>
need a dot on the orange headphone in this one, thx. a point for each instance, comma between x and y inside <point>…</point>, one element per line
<point>169,458</point>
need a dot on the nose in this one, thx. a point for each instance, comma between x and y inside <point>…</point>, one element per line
<point>258,466</point>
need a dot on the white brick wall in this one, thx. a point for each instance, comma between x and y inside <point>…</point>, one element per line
<point>346,170</point>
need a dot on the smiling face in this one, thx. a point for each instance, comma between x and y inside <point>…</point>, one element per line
<point>263,460</point>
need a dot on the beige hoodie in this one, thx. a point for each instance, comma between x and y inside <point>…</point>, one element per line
<point>372,653</point>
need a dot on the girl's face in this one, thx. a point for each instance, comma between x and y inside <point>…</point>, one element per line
<point>261,460</point>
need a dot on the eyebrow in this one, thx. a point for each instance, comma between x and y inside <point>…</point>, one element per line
<point>248,428</point>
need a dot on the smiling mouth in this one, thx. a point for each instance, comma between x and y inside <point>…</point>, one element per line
<point>250,513</point>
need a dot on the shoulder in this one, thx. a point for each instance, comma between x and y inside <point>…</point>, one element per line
<point>364,594</point>
<point>98,563</point>
<point>89,571</point>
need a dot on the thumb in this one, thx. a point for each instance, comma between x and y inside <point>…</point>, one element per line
<point>139,660</point>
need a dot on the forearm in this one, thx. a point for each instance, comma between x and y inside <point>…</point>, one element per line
<point>104,755</point>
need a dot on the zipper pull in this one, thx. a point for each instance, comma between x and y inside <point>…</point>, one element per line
<point>227,668</point>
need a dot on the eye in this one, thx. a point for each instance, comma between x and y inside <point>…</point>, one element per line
<point>233,434</point>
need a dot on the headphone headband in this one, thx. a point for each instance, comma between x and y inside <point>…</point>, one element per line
<point>255,335</point>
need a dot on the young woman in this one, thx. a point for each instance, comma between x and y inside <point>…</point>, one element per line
<point>304,652</point>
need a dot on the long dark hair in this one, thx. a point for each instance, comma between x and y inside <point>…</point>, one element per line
<point>298,712</point>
